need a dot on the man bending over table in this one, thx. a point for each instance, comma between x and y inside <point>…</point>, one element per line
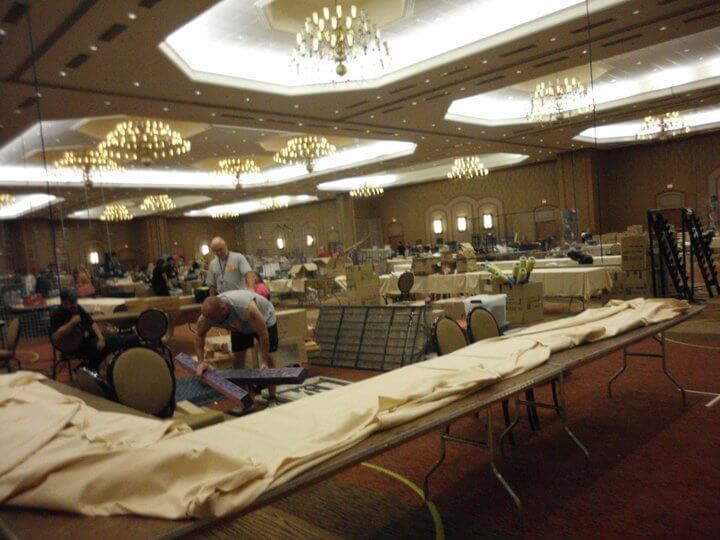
<point>248,316</point>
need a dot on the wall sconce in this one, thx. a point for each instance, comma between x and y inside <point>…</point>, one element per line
<point>437,226</point>
<point>487,221</point>
<point>310,240</point>
<point>280,242</point>
<point>462,224</point>
<point>94,257</point>
<point>204,250</point>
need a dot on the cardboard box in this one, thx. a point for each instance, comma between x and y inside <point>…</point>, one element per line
<point>634,253</point>
<point>453,307</point>
<point>423,266</point>
<point>632,284</point>
<point>303,270</point>
<point>463,264</point>
<point>363,285</point>
<point>524,302</point>
<point>292,324</point>
<point>466,250</point>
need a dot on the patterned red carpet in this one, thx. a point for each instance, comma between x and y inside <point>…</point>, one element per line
<point>654,468</point>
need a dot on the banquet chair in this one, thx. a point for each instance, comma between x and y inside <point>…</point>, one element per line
<point>143,379</point>
<point>65,351</point>
<point>12,337</point>
<point>152,327</point>
<point>448,336</point>
<point>405,284</point>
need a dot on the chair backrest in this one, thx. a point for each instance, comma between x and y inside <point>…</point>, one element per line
<point>12,335</point>
<point>70,343</point>
<point>142,379</point>
<point>152,325</point>
<point>90,381</point>
<point>448,336</point>
<point>481,325</point>
<point>406,282</point>
<point>126,324</point>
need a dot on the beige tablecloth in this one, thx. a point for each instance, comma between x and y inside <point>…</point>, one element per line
<point>91,305</point>
<point>579,281</point>
<point>278,286</point>
<point>60,454</point>
<point>607,260</point>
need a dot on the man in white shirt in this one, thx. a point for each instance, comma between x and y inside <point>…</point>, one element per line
<point>228,271</point>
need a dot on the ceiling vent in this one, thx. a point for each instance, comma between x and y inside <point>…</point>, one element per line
<point>518,51</point>
<point>112,32</point>
<point>437,96</point>
<point>592,26</point>
<point>487,81</point>
<point>16,12</point>
<point>622,40</point>
<point>32,100</point>
<point>550,62</point>
<point>402,89</point>
<point>358,104</point>
<point>702,16</point>
<point>148,4</point>
<point>393,109</point>
<point>78,61</point>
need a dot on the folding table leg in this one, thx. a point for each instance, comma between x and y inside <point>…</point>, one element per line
<point>618,373</point>
<point>491,451</point>
<point>563,416</point>
<point>667,373</point>
<point>426,487</point>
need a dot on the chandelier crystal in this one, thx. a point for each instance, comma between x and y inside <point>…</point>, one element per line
<point>87,162</point>
<point>275,203</point>
<point>671,124</point>
<point>157,203</point>
<point>116,212</point>
<point>366,190</point>
<point>305,150</point>
<point>144,141</point>
<point>6,200</point>
<point>559,100</point>
<point>238,168</point>
<point>467,168</point>
<point>337,36</point>
<point>225,214</point>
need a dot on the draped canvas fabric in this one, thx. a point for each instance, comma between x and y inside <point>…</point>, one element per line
<point>61,454</point>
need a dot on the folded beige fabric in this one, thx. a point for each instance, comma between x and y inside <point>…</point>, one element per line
<point>81,460</point>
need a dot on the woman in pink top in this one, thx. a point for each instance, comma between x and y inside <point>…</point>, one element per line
<point>259,286</point>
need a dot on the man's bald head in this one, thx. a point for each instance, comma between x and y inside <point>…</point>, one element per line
<point>219,247</point>
<point>215,309</point>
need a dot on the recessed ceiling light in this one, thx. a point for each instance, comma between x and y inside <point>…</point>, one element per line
<point>638,63</point>
<point>663,28</point>
<point>335,128</point>
<point>433,125</point>
<point>198,92</point>
<point>584,51</point>
<point>107,103</point>
<point>459,129</point>
<point>427,81</point>
<point>213,114</point>
<point>553,38</point>
<point>485,61</point>
<point>378,97</point>
<point>372,116</point>
<point>136,84</point>
<point>63,73</point>
<point>166,109</point>
<point>519,71</point>
<point>132,16</point>
<point>404,121</point>
<point>462,88</point>
<point>247,99</point>
<point>300,123</point>
<point>296,106</point>
<point>93,48</point>
<point>18,111</point>
<point>414,102</point>
<point>636,12</point>
<point>2,32</point>
<point>261,119</point>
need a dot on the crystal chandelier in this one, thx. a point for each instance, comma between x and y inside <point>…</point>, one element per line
<point>306,150</point>
<point>87,162</point>
<point>225,214</point>
<point>237,167</point>
<point>157,203</point>
<point>336,37</point>
<point>671,124</point>
<point>275,203</point>
<point>467,168</point>
<point>366,190</point>
<point>144,141</point>
<point>560,100</point>
<point>116,212</point>
<point>6,200</point>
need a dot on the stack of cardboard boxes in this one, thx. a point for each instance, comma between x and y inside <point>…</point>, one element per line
<point>465,260</point>
<point>634,278</point>
<point>423,266</point>
<point>524,301</point>
<point>363,285</point>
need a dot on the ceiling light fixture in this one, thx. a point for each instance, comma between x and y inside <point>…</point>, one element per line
<point>238,168</point>
<point>306,150</point>
<point>467,168</point>
<point>116,212</point>
<point>157,203</point>
<point>87,162</point>
<point>671,124</point>
<point>275,203</point>
<point>144,141</point>
<point>6,200</point>
<point>225,214</point>
<point>560,100</point>
<point>366,190</point>
<point>337,36</point>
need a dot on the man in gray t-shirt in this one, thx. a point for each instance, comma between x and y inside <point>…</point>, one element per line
<point>248,316</point>
<point>228,271</point>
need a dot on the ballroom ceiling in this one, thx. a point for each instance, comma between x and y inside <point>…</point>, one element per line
<point>91,62</point>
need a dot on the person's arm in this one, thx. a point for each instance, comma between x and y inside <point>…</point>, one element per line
<point>66,328</point>
<point>247,272</point>
<point>257,323</point>
<point>211,281</point>
<point>203,327</point>
<point>100,336</point>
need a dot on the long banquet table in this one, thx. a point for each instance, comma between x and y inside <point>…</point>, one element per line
<point>570,282</point>
<point>16,522</point>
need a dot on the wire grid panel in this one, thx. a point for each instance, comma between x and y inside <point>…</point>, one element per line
<point>371,337</point>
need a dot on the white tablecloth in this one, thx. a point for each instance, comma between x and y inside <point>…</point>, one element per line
<point>91,305</point>
<point>607,260</point>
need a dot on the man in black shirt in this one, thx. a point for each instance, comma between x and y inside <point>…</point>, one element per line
<point>70,318</point>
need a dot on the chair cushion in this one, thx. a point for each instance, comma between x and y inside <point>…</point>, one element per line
<point>450,337</point>
<point>482,324</point>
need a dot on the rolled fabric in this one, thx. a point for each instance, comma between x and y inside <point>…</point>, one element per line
<point>523,262</point>
<point>522,276</point>
<point>530,264</point>
<point>516,270</point>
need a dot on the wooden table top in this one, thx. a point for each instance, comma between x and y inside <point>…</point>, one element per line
<point>29,523</point>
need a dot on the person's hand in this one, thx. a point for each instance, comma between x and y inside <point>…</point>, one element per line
<point>76,319</point>
<point>265,363</point>
<point>201,368</point>
<point>101,344</point>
